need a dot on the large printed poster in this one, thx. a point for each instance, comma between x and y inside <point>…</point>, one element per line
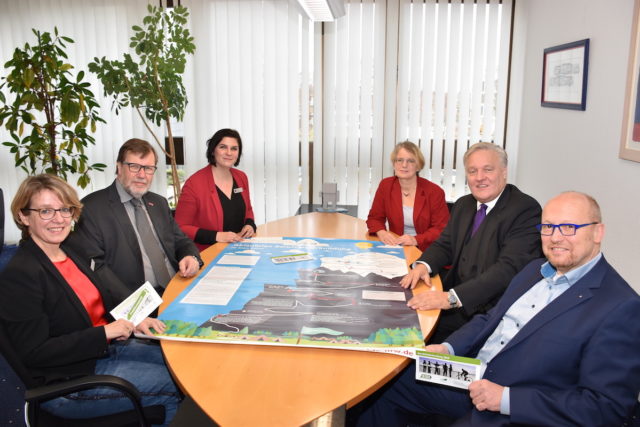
<point>299,292</point>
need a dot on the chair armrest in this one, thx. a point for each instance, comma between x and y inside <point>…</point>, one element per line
<point>54,390</point>
<point>51,391</point>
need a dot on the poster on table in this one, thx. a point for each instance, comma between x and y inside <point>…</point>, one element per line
<point>300,292</point>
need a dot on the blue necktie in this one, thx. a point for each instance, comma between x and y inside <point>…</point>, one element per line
<point>480,216</point>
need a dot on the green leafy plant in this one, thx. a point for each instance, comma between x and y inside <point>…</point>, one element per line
<point>52,112</point>
<point>152,84</point>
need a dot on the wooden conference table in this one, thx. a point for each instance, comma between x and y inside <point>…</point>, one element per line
<point>248,385</point>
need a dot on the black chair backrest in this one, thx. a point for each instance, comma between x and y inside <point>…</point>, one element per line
<point>12,358</point>
<point>1,220</point>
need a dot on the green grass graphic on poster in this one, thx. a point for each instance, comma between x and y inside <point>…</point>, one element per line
<point>299,292</point>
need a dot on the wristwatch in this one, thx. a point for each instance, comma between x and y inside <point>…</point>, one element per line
<point>200,261</point>
<point>453,299</point>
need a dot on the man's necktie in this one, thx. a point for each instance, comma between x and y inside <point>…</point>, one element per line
<point>480,216</point>
<point>151,246</point>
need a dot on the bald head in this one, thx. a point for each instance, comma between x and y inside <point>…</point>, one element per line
<point>566,253</point>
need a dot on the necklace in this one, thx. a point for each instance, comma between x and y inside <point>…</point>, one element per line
<point>406,194</point>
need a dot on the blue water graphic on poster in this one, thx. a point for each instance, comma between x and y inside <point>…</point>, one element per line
<point>299,291</point>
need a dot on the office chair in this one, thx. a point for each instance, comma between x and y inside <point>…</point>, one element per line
<point>35,394</point>
<point>1,220</point>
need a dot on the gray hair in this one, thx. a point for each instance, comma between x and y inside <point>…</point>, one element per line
<point>487,146</point>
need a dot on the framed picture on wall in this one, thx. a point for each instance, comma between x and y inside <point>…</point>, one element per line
<point>564,76</point>
<point>630,141</point>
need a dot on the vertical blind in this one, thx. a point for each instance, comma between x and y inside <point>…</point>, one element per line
<point>432,72</point>
<point>98,28</point>
<point>252,71</point>
<point>353,103</point>
<point>314,103</point>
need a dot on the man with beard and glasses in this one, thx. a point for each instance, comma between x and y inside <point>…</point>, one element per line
<point>129,233</point>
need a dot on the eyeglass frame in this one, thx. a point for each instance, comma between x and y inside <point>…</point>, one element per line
<point>400,161</point>
<point>576,227</point>
<point>138,166</point>
<point>71,210</point>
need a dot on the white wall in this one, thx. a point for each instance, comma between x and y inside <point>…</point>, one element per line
<point>578,150</point>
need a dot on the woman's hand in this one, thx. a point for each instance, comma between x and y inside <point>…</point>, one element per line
<point>119,330</point>
<point>247,232</point>
<point>407,240</point>
<point>227,237</point>
<point>145,326</point>
<point>387,238</point>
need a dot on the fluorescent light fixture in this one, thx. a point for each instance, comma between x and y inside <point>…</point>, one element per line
<point>322,10</point>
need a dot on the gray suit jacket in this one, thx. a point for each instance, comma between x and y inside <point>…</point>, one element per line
<point>106,236</point>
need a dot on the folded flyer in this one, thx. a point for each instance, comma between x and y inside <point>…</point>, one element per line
<point>453,371</point>
<point>137,306</point>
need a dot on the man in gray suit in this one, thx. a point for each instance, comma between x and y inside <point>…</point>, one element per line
<point>129,232</point>
<point>491,235</point>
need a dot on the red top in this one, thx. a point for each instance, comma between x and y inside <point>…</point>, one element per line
<point>199,205</point>
<point>85,291</point>
<point>430,212</point>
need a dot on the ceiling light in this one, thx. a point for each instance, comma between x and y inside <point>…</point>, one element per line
<point>322,10</point>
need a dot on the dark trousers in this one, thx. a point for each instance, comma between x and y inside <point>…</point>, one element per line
<point>449,322</point>
<point>398,403</point>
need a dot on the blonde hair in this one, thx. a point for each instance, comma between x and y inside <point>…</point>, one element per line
<point>33,185</point>
<point>411,148</point>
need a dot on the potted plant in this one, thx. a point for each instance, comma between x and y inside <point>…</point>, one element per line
<point>52,114</point>
<point>152,83</point>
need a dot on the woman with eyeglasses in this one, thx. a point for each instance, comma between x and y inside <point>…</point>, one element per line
<point>413,207</point>
<point>56,312</point>
<point>215,205</point>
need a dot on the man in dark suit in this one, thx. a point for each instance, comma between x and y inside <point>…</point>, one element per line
<point>129,232</point>
<point>560,346</point>
<point>490,236</point>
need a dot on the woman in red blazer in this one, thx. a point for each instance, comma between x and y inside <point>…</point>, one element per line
<point>413,207</point>
<point>214,205</point>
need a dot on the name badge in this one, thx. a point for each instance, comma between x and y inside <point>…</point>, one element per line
<point>237,190</point>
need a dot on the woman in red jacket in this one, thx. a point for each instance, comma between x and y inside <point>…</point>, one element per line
<point>214,205</point>
<point>413,207</point>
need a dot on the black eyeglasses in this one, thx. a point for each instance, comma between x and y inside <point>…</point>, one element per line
<point>565,229</point>
<point>135,168</point>
<point>48,213</point>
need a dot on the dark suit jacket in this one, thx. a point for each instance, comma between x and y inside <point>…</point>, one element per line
<point>430,212</point>
<point>45,320</point>
<point>575,363</point>
<point>106,235</point>
<point>505,242</point>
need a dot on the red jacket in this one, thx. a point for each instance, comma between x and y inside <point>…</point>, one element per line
<point>430,212</point>
<point>199,205</point>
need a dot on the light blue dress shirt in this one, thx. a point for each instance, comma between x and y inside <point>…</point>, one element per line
<point>552,285</point>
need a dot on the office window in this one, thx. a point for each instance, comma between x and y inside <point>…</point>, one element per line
<point>314,102</point>
<point>253,71</point>
<point>98,28</point>
<point>433,72</point>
